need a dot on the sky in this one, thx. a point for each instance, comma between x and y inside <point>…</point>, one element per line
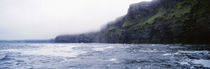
<point>45,19</point>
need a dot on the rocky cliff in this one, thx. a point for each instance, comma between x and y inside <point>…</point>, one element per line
<point>159,21</point>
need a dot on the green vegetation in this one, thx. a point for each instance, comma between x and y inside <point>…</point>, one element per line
<point>182,8</point>
<point>111,28</point>
<point>160,13</point>
<point>155,39</point>
<point>151,19</point>
<point>126,24</point>
<point>115,29</point>
<point>199,12</point>
<point>142,22</point>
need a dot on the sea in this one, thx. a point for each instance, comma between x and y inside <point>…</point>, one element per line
<point>103,56</point>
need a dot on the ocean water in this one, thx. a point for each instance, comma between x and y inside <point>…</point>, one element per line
<point>103,56</point>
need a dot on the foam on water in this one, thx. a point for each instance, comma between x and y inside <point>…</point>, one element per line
<point>205,63</point>
<point>49,50</point>
<point>98,48</point>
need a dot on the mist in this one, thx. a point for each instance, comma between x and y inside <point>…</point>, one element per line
<point>45,19</point>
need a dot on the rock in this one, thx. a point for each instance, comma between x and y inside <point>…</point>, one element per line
<point>159,21</point>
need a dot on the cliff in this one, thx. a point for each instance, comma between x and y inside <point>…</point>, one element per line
<point>159,21</point>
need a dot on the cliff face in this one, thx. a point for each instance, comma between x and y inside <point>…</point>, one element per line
<point>160,21</point>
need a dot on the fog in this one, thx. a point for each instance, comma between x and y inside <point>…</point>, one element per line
<point>45,19</point>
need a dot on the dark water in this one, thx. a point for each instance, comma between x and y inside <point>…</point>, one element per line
<point>103,56</point>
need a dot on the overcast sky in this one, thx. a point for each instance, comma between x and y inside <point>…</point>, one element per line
<point>44,19</point>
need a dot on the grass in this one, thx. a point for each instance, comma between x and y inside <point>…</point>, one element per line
<point>155,39</point>
<point>111,28</point>
<point>151,19</point>
<point>115,29</point>
<point>157,15</point>
<point>126,24</point>
<point>182,8</point>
